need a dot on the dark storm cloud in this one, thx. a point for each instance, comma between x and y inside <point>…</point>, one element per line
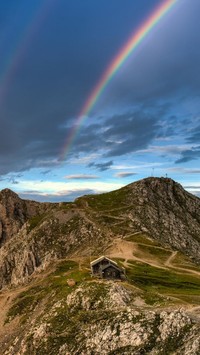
<point>166,66</point>
<point>188,155</point>
<point>63,63</point>
<point>25,144</point>
<point>89,139</point>
<point>195,135</point>
<point>101,166</point>
<point>121,134</point>
<point>130,132</point>
<point>51,80</point>
<point>13,179</point>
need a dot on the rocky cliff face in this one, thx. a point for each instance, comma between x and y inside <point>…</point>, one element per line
<point>14,212</point>
<point>168,213</point>
<point>101,318</point>
<point>51,236</point>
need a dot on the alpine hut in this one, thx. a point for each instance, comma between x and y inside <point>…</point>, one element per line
<point>107,269</point>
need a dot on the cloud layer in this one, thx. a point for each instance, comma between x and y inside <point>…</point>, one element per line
<point>148,113</point>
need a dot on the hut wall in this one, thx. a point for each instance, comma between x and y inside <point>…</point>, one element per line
<point>111,273</point>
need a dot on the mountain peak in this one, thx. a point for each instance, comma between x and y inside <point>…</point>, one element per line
<point>8,192</point>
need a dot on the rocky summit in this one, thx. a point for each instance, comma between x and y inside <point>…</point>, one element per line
<point>50,303</point>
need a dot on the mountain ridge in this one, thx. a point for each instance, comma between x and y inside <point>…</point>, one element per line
<point>50,303</point>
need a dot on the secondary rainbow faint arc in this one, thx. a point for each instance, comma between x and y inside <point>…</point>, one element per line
<point>15,59</point>
<point>133,42</point>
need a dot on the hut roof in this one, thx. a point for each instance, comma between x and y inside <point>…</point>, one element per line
<point>111,265</point>
<point>94,262</point>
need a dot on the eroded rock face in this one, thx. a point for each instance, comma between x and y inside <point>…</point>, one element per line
<point>56,236</point>
<point>100,319</point>
<point>14,212</point>
<point>110,296</point>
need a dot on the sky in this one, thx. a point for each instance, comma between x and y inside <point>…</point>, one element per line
<point>146,122</point>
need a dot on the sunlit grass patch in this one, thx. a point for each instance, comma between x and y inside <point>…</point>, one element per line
<point>105,201</point>
<point>164,281</point>
<point>65,266</point>
<point>183,261</point>
<point>152,253</point>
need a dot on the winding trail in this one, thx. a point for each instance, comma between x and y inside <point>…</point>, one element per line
<point>168,262</point>
<point>125,250</point>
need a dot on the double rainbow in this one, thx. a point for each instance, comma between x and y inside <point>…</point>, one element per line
<point>133,42</point>
<point>16,56</point>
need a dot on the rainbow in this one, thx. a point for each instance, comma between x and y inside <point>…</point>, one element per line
<point>136,38</point>
<point>15,58</point>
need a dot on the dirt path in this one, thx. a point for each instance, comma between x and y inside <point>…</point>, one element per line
<point>168,262</point>
<point>122,219</point>
<point>125,250</point>
<point>7,297</point>
<point>186,271</point>
<point>6,300</point>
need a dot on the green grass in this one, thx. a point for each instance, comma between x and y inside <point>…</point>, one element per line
<point>35,221</point>
<point>119,261</point>
<point>109,219</point>
<point>141,238</point>
<point>153,283</point>
<point>26,302</point>
<point>150,278</point>
<point>183,261</point>
<point>122,228</point>
<point>153,253</point>
<point>54,284</point>
<point>106,201</point>
<point>65,266</point>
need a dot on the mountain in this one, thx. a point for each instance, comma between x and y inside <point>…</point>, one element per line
<point>159,207</point>
<point>14,212</point>
<point>50,304</point>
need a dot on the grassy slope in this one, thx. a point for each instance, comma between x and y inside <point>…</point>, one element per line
<point>176,279</point>
<point>157,287</point>
<point>154,280</point>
